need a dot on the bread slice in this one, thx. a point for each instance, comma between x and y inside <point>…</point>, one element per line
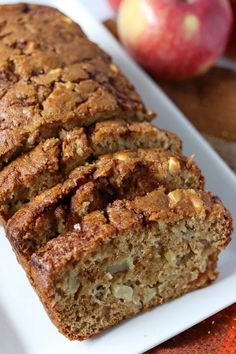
<point>119,134</point>
<point>53,77</point>
<point>135,255</point>
<point>50,162</point>
<point>121,175</point>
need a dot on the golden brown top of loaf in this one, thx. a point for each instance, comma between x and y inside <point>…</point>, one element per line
<point>124,215</point>
<point>53,77</point>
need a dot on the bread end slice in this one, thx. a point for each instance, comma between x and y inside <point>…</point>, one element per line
<point>135,255</point>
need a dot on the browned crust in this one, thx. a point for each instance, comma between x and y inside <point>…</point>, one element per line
<point>51,161</point>
<point>53,77</point>
<point>123,174</point>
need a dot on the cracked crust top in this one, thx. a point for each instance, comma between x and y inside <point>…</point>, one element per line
<point>53,77</point>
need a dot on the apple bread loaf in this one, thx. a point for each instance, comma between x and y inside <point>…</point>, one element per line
<point>103,212</point>
<point>53,78</point>
<point>50,162</point>
<point>121,175</point>
<point>135,255</point>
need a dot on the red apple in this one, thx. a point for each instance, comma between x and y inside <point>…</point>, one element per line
<point>175,39</point>
<point>115,4</point>
<point>231,49</point>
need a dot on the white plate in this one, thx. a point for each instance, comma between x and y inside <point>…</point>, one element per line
<point>24,325</point>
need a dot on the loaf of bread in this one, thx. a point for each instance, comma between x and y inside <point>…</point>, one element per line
<point>103,212</point>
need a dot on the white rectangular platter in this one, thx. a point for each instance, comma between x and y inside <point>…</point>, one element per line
<point>24,325</point>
